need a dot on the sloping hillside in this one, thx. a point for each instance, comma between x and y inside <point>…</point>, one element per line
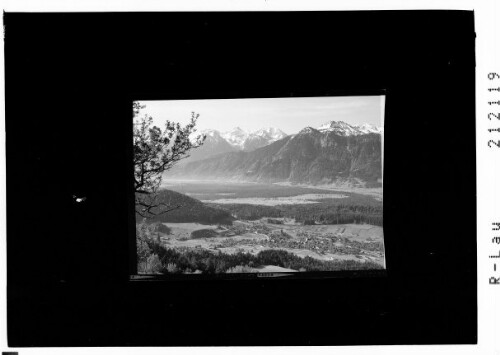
<point>213,145</point>
<point>190,210</point>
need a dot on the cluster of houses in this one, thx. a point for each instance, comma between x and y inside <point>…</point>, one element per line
<point>280,239</point>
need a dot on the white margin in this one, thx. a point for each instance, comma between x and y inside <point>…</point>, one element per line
<point>487,22</point>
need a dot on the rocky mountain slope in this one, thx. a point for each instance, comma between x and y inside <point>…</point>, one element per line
<point>336,153</point>
<point>214,144</point>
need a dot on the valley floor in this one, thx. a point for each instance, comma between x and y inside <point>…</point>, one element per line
<point>322,242</point>
<point>338,228</point>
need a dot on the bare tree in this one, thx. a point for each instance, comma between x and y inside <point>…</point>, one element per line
<point>155,151</point>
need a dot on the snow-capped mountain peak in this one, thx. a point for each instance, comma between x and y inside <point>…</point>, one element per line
<point>270,133</point>
<point>236,137</point>
<point>369,128</point>
<point>345,129</point>
<point>244,140</point>
<point>307,130</point>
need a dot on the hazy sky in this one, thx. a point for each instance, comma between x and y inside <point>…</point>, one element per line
<point>287,114</point>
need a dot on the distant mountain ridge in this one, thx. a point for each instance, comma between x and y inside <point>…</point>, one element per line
<point>214,144</point>
<point>234,140</point>
<point>345,129</point>
<point>335,153</point>
<point>247,141</point>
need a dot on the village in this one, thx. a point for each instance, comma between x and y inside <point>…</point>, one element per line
<point>321,244</point>
<point>325,242</point>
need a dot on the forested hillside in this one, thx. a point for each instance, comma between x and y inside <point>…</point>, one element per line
<point>187,209</point>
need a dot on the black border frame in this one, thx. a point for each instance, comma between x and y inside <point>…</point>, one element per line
<point>68,78</point>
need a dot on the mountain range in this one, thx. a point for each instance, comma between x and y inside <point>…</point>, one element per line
<point>234,140</point>
<point>345,129</point>
<point>248,141</point>
<point>334,153</point>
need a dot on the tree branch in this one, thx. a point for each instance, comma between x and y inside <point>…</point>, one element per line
<point>156,151</point>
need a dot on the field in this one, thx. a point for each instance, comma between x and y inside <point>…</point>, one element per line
<point>292,219</point>
<point>215,189</point>
<point>323,242</point>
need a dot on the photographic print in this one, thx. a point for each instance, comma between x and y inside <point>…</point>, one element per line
<point>232,166</point>
<point>272,185</point>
